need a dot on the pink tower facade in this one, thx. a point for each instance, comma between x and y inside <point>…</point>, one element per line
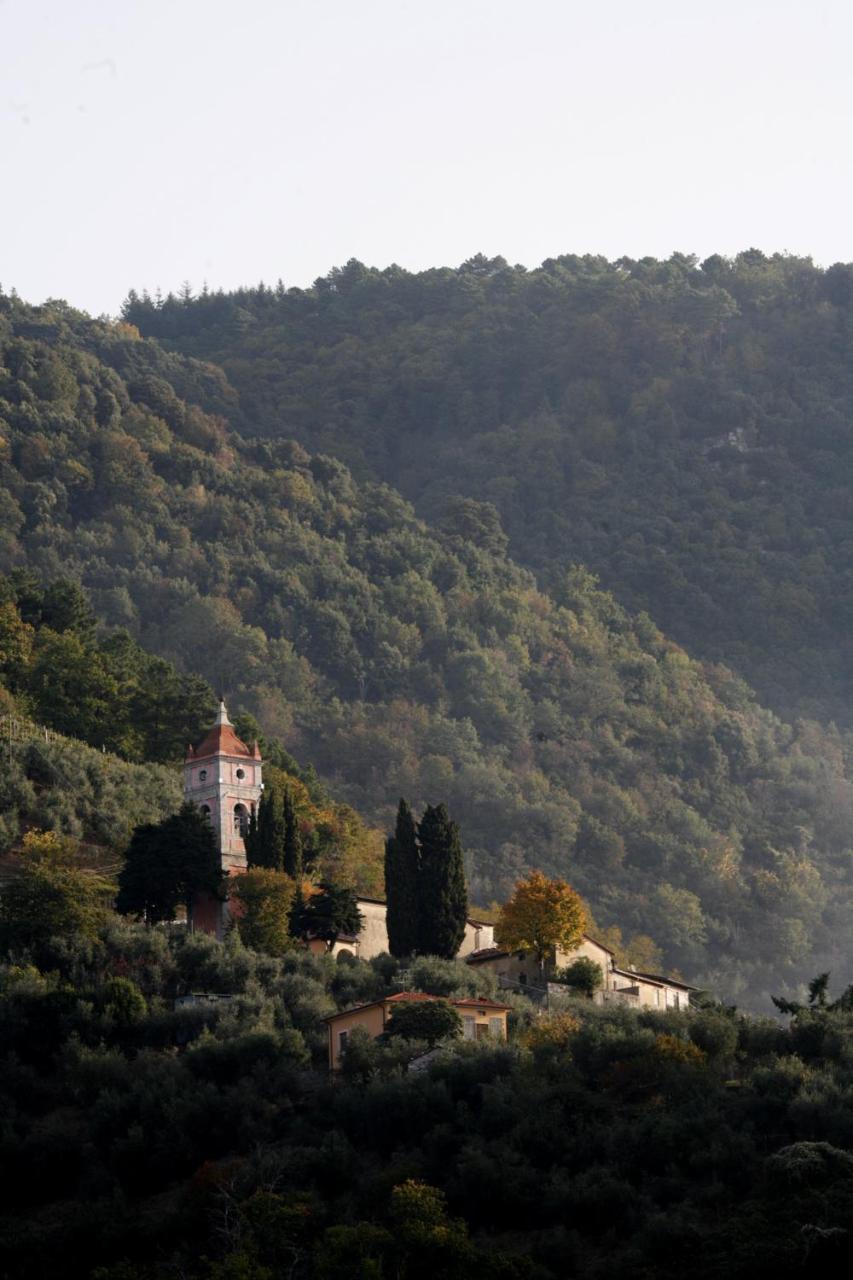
<point>223,778</point>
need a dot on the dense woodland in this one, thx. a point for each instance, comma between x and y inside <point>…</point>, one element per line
<point>562,731</point>
<point>684,430</point>
<point>66,689</point>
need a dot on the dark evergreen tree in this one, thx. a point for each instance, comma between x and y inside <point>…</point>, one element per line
<point>401,884</point>
<point>292,853</point>
<point>270,837</point>
<point>329,912</point>
<point>442,892</point>
<point>168,863</point>
<point>251,840</point>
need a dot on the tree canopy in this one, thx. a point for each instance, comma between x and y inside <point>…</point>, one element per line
<point>169,863</point>
<point>563,729</point>
<point>541,916</point>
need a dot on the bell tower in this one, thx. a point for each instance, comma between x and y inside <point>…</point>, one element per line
<point>223,778</point>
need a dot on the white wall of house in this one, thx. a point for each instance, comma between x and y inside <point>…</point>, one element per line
<point>373,938</point>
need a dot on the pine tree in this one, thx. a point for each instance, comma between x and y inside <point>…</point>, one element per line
<point>167,863</point>
<point>401,884</point>
<point>292,853</point>
<point>442,893</point>
<point>330,911</point>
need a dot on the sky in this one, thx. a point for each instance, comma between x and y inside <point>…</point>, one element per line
<point>145,143</point>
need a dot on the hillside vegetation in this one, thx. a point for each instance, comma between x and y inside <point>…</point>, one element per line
<point>684,430</point>
<point>146,1139</point>
<point>562,731</point>
<point>62,785</point>
<point>68,687</point>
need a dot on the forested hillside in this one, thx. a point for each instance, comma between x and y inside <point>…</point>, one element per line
<point>562,731</point>
<point>684,431</point>
<point>145,1137</point>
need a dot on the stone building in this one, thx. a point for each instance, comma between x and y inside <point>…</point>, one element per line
<point>518,970</point>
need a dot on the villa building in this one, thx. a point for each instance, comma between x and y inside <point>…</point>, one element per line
<point>481,1019</point>
<point>517,970</point>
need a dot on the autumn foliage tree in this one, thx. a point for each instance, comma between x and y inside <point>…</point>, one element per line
<point>542,916</point>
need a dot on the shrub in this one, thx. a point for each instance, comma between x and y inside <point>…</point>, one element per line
<point>583,975</point>
<point>428,1020</point>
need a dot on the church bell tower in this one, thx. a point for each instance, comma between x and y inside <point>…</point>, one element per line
<point>222,777</point>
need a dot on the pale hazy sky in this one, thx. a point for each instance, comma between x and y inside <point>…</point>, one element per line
<point>148,142</point>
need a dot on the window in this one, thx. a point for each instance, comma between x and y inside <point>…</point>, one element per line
<point>522,977</point>
<point>496,1028</point>
<point>343,1036</point>
<point>205,811</point>
<point>468,1028</point>
<point>202,775</point>
<point>241,819</point>
<point>241,773</point>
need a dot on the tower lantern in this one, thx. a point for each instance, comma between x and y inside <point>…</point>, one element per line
<point>223,778</point>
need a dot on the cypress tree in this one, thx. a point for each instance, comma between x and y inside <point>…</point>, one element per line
<point>292,843</point>
<point>270,839</point>
<point>251,839</point>
<point>401,884</point>
<point>442,893</point>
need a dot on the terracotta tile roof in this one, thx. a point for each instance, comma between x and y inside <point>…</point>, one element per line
<point>411,997</point>
<point>485,953</point>
<point>417,997</point>
<point>473,1002</point>
<point>222,740</point>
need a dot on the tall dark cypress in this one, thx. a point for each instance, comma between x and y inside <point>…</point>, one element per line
<point>270,837</point>
<point>292,837</point>
<point>251,840</point>
<point>401,884</point>
<point>442,892</point>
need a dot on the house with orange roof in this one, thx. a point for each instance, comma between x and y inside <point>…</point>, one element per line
<point>482,1019</point>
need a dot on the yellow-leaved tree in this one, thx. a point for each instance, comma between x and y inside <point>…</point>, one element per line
<point>542,916</point>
